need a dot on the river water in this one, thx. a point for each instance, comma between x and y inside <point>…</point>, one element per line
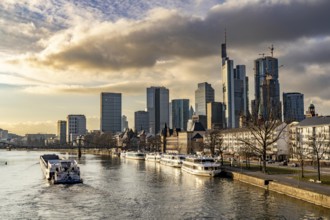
<point>115,188</point>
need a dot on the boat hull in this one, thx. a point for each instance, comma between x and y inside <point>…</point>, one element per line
<point>60,171</point>
<point>201,172</point>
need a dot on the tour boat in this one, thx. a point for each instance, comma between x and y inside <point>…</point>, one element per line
<point>59,170</point>
<point>173,160</point>
<point>202,166</point>
<point>153,157</point>
<point>135,155</point>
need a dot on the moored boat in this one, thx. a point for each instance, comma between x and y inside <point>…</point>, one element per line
<point>201,166</point>
<point>135,155</point>
<point>173,160</point>
<point>153,157</point>
<point>59,170</point>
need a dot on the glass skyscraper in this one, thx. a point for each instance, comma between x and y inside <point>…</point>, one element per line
<point>180,113</point>
<point>111,116</point>
<point>293,107</point>
<point>141,121</point>
<point>203,95</point>
<point>235,90</point>
<point>158,108</point>
<point>267,89</point>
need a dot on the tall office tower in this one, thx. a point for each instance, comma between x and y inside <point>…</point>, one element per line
<point>61,131</point>
<point>267,89</point>
<point>180,113</point>
<point>235,90</point>
<point>110,112</point>
<point>76,127</point>
<point>203,95</point>
<point>141,121</point>
<point>170,115</point>
<point>191,112</point>
<point>215,115</point>
<point>158,108</point>
<point>124,123</point>
<point>293,107</point>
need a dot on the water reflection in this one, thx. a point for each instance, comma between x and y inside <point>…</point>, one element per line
<point>127,189</point>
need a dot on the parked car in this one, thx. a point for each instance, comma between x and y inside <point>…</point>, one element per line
<point>283,163</point>
<point>294,165</point>
<point>270,161</point>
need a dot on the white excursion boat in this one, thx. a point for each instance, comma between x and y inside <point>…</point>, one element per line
<point>135,155</point>
<point>173,160</point>
<point>153,157</point>
<point>202,166</point>
<point>60,170</point>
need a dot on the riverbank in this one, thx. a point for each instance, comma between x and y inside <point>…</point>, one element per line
<point>284,184</point>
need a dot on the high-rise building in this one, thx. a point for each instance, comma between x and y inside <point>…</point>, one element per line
<point>61,131</point>
<point>215,115</point>
<point>124,123</point>
<point>203,95</point>
<point>180,113</point>
<point>235,90</point>
<point>111,116</point>
<point>158,108</point>
<point>293,107</point>
<point>76,127</point>
<point>141,121</point>
<point>267,89</point>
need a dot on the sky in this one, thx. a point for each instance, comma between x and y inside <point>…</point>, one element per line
<point>57,56</point>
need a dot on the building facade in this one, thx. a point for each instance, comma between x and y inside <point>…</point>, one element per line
<point>61,131</point>
<point>235,90</point>
<point>180,113</point>
<point>76,127</point>
<point>293,107</point>
<point>111,116</point>
<point>215,115</point>
<point>158,108</point>
<point>141,121</point>
<point>309,137</point>
<point>203,95</point>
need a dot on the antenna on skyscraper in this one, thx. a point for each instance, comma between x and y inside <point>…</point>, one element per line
<point>271,50</point>
<point>225,36</point>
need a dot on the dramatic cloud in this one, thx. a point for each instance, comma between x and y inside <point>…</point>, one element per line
<point>81,48</point>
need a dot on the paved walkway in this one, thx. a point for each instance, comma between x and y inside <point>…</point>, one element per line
<point>287,179</point>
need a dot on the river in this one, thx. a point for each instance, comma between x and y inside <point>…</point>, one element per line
<point>116,188</point>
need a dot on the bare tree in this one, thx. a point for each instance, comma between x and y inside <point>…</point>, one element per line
<point>319,145</point>
<point>247,152</point>
<point>214,141</point>
<point>263,133</point>
<point>298,151</point>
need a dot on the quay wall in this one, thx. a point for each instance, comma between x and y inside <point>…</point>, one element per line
<point>298,193</point>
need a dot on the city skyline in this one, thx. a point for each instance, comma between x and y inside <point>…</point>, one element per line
<point>55,60</point>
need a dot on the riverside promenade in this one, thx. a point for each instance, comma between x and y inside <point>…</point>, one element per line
<point>288,184</point>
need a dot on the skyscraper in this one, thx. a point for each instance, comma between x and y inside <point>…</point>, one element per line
<point>267,89</point>
<point>141,121</point>
<point>158,108</point>
<point>203,95</point>
<point>215,115</point>
<point>76,127</point>
<point>124,123</point>
<point>61,131</point>
<point>293,107</point>
<point>235,90</point>
<point>110,120</point>
<point>180,113</point>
